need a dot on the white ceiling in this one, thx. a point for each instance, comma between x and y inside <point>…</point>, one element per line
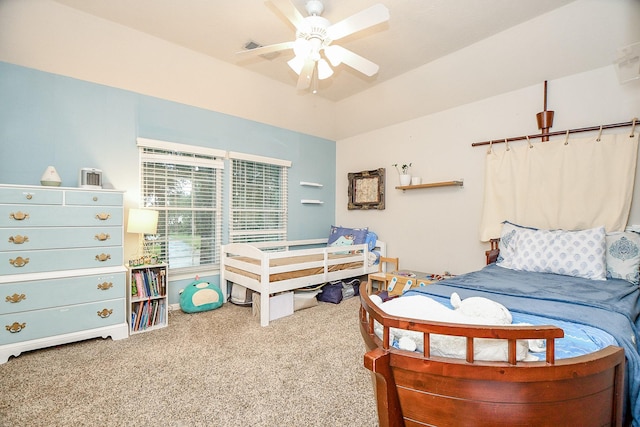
<point>418,32</point>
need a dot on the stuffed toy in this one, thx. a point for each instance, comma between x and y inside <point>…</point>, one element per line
<point>342,241</point>
<point>200,296</point>
<point>472,311</point>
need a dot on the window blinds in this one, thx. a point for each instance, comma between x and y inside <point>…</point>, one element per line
<point>185,186</point>
<point>258,207</point>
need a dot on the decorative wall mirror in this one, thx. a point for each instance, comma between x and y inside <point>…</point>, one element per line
<point>366,189</point>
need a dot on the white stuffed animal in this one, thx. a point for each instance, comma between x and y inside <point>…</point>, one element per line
<point>473,311</point>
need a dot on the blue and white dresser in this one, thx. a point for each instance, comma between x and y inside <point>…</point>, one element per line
<point>62,277</point>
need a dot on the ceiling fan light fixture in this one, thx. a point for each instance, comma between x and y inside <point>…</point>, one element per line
<point>296,64</point>
<point>324,70</point>
<point>302,47</point>
<point>334,55</point>
<point>316,45</point>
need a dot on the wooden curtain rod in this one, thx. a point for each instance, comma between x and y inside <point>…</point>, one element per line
<point>564,132</point>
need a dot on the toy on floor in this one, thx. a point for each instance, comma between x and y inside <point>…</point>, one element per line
<point>200,296</point>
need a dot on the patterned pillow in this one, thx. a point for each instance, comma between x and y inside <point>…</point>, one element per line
<point>570,253</point>
<point>507,242</point>
<point>623,256</point>
<point>341,236</point>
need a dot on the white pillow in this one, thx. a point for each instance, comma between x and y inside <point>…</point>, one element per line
<point>507,242</point>
<point>571,253</point>
<point>623,256</point>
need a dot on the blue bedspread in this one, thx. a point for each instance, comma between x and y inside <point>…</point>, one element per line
<point>612,305</point>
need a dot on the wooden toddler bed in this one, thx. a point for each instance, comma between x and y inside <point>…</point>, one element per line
<point>416,388</point>
<point>272,267</point>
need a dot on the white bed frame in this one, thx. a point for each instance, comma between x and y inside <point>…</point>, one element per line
<point>260,252</point>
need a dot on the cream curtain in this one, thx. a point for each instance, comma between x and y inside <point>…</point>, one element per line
<point>570,183</point>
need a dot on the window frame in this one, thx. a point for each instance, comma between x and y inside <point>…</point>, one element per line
<point>243,235</point>
<point>191,156</point>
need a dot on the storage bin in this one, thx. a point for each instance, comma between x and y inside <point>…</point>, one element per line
<point>280,305</point>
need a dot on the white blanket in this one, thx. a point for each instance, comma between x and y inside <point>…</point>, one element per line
<point>471,311</point>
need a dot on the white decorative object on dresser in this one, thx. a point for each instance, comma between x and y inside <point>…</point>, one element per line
<point>148,305</point>
<point>62,277</point>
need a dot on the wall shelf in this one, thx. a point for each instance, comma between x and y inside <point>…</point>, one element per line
<point>458,183</point>
<point>310,184</point>
<point>311,202</point>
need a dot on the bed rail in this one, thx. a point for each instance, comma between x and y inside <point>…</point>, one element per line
<point>271,267</point>
<point>370,313</point>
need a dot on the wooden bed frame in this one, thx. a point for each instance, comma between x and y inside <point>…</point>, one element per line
<point>272,267</point>
<point>415,389</point>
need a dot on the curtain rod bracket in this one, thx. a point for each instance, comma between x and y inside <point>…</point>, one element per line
<point>545,117</point>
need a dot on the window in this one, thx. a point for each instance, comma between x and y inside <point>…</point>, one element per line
<point>258,206</point>
<point>183,183</point>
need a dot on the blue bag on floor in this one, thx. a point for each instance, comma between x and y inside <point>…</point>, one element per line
<point>331,292</point>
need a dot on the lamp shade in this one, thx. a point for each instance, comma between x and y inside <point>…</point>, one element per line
<point>143,221</point>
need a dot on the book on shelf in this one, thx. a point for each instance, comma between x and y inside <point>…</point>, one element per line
<point>139,310</point>
<point>137,277</point>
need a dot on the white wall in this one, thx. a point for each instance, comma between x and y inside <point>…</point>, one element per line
<point>581,36</point>
<point>437,229</point>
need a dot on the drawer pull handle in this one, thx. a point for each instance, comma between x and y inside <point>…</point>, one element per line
<point>19,262</point>
<point>15,298</point>
<point>95,198</point>
<point>105,286</point>
<point>103,257</point>
<point>103,216</point>
<point>18,239</point>
<point>29,196</point>
<point>16,327</point>
<point>104,313</point>
<point>19,216</point>
<point>102,237</point>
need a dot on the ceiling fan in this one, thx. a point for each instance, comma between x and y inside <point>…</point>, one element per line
<point>314,38</point>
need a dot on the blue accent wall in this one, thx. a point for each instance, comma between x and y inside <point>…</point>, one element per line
<point>48,119</point>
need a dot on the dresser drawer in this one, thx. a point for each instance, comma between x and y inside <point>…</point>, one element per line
<point>39,294</point>
<point>54,216</point>
<point>18,239</point>
<point>93,198</point>
<point>31,196</point>
<point>30,325</point>
<point>24,262</point>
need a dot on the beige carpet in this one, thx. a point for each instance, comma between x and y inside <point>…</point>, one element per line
<point>218,368</point>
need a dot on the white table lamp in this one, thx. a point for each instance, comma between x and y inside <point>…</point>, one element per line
<point>143,222</point>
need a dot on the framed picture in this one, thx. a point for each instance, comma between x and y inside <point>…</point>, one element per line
<point>366,189</point>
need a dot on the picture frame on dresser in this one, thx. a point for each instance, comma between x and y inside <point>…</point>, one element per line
<point>61,267</point>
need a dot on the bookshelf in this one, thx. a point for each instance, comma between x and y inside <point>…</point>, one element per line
<point>148,307</point>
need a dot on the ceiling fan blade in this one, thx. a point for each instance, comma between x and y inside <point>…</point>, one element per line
<point>338,54</point>
<point>364,19</point>
<point>263,50</point>
<point>304,81</point>
<point>290,12</point>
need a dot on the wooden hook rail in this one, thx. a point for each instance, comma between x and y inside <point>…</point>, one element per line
<point>563,132</point>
